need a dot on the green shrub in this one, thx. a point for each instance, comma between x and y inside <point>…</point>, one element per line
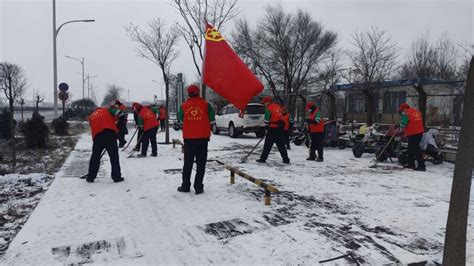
<point>5,129</point>
<point>60,126</point>
<point>35,131</point>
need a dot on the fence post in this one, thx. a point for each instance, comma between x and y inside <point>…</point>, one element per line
<point>267,197</point>
<point>232,177</point>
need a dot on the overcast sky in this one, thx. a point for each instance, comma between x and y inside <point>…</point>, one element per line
<point>26,35</point>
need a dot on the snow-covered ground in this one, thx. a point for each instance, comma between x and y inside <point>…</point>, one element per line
<point>323,210</point>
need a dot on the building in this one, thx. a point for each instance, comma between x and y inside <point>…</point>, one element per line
<point>443,100</point>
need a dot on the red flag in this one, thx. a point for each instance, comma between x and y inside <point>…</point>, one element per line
<point>226,73</point>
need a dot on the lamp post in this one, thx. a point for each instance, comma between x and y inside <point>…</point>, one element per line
<point>161,90</point>
<point>55,60</point>
<point>89,84</point>
<point>83,80</point>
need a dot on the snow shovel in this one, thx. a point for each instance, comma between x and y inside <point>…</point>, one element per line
<point>383,150</point>
<point>244,159</point>
<point>129,141</point>
<point>102,155</point>
<point>132,152</point>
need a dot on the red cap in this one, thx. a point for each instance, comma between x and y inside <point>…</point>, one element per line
<point>266,99</point>
<point>137,106</point>
<point>193,90</point>
<point>309,105</point>
<point>403,106</point>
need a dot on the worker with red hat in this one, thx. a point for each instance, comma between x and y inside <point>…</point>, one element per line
<point>121,123</point>
<point>412,121</point>
<point>196,115</point>
<point>147,118</point>
<point>135,107</point>
<point>288,125</point>
<point>316,131</point>
<point>104,136</point>
<point>275,125</point>
<point>162,118</point>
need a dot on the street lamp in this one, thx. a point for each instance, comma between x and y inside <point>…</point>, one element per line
<point>161,89</point>
<point>83,80</point>
<point>55,60</point>
<point>89,84</point>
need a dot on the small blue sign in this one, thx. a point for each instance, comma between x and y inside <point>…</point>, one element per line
<point>63,87</point>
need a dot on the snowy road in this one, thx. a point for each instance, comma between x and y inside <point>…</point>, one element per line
<point>323,210</point>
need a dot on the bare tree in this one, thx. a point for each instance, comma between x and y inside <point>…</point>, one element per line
<point>38,98</point>
<point>285,49</point>
<point>195,14</point>
<point>373,60</point>
<point>112,93</point>
<point>13,84</point>
<point>331,73</point>
<point>456,227</point>
<point>430,61</point>
<point>158,45</point>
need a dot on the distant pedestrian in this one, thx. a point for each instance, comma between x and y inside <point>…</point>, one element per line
<point>196,115</point>
<point>288,126</point>
<point>316,130</point>
<point>275,125</point>
<point>147,117</point>
<point>122,123</point>
<point>412,122</point>
<point>104,136</point>
<point>162,118</point>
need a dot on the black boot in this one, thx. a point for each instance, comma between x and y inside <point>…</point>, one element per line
<point>181,189</point>
<point>260,161</point>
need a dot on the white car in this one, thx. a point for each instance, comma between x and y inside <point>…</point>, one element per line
<point>236,122</point>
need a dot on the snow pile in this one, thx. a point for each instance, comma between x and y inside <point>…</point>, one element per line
<point>323,210</point>
<point>19,195</point>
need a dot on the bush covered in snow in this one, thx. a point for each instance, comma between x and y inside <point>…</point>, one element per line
<point>36,132</point>
<point>5,132</point>
<point>60,126</point>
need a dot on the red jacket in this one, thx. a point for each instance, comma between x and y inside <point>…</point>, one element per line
<point>196,124</point>
<point>100,120</point>
<point>313,126</point>
<point>149,118</point>
<point>276,112</point>
<point>415,122</point>
<point>162,115</point>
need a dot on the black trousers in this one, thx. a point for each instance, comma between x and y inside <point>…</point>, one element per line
<point>122,127</point>
<point>316,144</point>
<point>163,124</point>
<point>414,151</point>
<point>274,135</point>
<point>194,148</point>
<point>121,138</point>
<point>149,136</point>
<point>286,133</point>
<point>104,140</point>
<point>139,135</point>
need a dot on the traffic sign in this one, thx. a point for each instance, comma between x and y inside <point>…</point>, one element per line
<point>63,87</point>
<point>63,96</point>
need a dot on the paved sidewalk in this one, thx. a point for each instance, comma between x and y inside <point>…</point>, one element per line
<point>323,210</point>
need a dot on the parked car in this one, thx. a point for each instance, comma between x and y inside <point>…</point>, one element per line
<point>236,122</point>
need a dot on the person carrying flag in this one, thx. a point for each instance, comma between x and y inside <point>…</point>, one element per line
<point>196,115</point>
<point>412,122</point>
<point>316,131</point>
<point>274,124</point>
<point>104,136</point>
<point>147,118</point>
